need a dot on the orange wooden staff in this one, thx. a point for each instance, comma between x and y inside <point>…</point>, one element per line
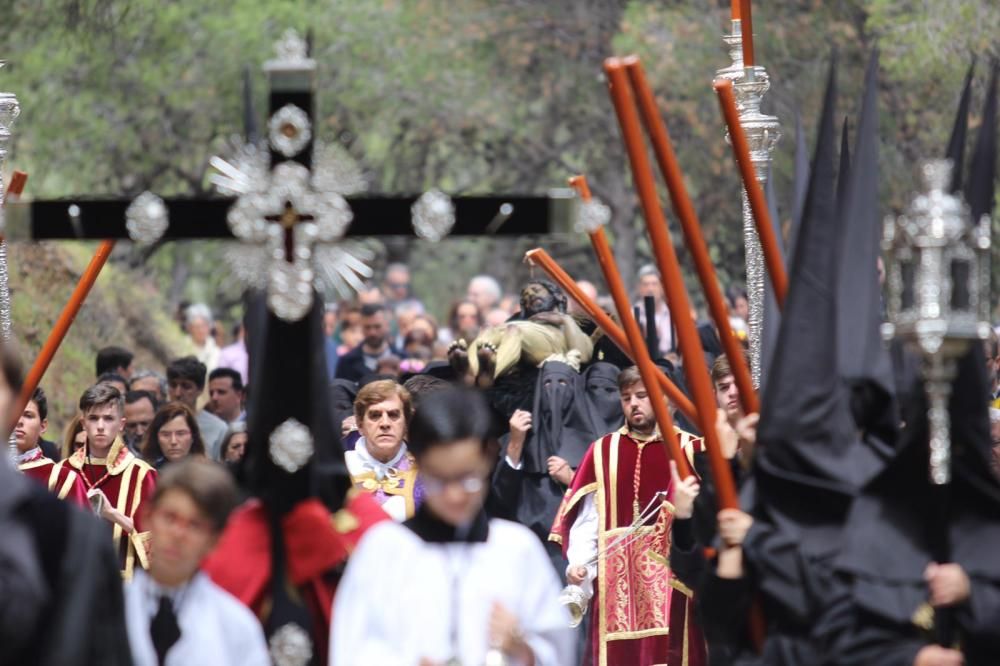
<point>18,179</point>
<point>647,369</point>
<point>541,258</point>
<point>755,194</point>
<point>673,281</point>
<point>65,320</point>
<point>746,30</point>
<point>669,167</point>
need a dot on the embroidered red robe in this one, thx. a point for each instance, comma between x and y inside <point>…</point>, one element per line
<point>64,482</point>
<point>640,613</point>
<point>128,483</point>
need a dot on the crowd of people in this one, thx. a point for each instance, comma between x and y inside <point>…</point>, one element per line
<point>523,512</point>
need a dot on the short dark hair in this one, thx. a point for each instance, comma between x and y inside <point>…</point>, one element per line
<point>235,376</point>
<point>448,416</point>
<point>100,395</point>
<point>112,358</point>
<point>209,485</point>
<point>133,397</point>
<point>187,367</point>
<point>112,377</point>
<point>42,402</point>
<point>370,309</point>
<point>151,440</point>
<point>420,386</point>
<point>628,377</point>
<point>720,368</point>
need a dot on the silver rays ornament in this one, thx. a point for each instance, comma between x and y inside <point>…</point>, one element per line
<point>292,223</point>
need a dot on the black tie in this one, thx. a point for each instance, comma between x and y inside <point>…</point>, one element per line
<point>163,629</point>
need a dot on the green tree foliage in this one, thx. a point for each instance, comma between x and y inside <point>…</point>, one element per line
<point>120,96</point>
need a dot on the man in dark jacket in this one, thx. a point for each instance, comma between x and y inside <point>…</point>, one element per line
<point>363,359</point>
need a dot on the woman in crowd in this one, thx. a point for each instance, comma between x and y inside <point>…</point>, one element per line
<point>73,437</point>
<point>234,444</point>
<point>464,321</point>
<point>173,435</point>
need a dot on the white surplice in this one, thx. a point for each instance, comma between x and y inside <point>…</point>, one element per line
<point>403,598</point>
<point>215,627</point>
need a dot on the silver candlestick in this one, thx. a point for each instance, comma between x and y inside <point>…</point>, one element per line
<point>9,111</point>
<point>762,131</point>
<point>938,278</point>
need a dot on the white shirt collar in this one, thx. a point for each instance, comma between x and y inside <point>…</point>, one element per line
<point>369,463</point>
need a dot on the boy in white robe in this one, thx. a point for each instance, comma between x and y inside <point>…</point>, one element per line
<point>477,591</point>
<point>176,616</point>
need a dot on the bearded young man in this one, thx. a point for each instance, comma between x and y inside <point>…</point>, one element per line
<point>614,528</point>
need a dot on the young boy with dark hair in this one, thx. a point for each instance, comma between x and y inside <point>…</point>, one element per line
<point>32,462</point>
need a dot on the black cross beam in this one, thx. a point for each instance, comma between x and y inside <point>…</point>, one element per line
<point>194,218</point>
<point>291,80</point>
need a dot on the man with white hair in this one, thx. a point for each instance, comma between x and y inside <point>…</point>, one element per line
<point>485,292</point>
<point>198,323</point>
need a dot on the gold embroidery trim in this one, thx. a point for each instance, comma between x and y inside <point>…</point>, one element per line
<point>33,464</point>
<point>923,617</point>
<point>67,484</point>
<point>602,574</point>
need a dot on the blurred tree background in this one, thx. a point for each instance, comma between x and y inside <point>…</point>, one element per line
<point>121,96</point>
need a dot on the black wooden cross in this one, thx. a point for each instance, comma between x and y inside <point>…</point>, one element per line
<point>291,112</point>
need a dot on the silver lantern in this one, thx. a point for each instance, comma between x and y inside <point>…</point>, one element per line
<point>938,292</point>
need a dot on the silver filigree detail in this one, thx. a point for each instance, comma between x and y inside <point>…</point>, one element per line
<point>750,84</point>
<point>10,109</point>
<point>146,219</point>
<point>291,446</point>
<point>289,130</point>
<point>321,259</point>
<point>593,216</point>
<point>290,645</point>
<point>433,215</point>
<point>938,278</point>
<point>335,170</point>
<point>291,48</point>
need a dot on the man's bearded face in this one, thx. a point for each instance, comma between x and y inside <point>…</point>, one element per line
<point>536,298</point>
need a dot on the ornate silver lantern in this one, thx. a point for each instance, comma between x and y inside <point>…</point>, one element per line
<point>938,292</point>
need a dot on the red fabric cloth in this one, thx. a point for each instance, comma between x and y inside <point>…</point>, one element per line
<point>42,471</point>
<point>316,542</point>
<point>127,482</point>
